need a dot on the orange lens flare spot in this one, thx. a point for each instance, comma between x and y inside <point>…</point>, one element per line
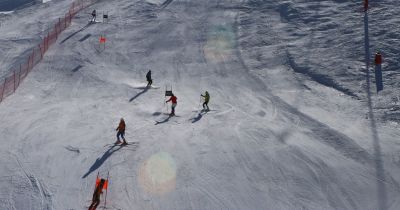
<point>157,175</point>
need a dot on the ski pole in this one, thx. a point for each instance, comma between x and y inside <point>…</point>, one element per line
<point>165,104</point>
<point>165,98</point>
<point>198,107</point>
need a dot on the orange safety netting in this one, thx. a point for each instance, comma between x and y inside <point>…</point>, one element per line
<point>19,71</point>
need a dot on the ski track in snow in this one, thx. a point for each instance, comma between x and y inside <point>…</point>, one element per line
<point>38,187</point>
<point>166,3</point>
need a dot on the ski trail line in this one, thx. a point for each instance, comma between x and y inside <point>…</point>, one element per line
<point>38,186</point>
<point>166,3</point>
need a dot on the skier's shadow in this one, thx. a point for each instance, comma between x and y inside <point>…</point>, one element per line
<point>76,32</point>
<point>77,68</point>
<point>199,116</point>
<point>164,121</point>
<point>101,160</point>
<point>139,94</point>
<point>379,164</point>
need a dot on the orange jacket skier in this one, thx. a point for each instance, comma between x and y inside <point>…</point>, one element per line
<point>121,131</point>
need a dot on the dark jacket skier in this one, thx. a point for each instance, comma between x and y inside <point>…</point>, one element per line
<point>121,131</point>
<point>378,58</point>
<point>94,16</point>
<point>149,80</point>
<point>96,195</point>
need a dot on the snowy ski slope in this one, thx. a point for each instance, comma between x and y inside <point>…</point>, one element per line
<point>276,137</point>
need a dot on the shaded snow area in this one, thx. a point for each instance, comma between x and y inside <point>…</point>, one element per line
<point>324,41</point>
<point>292,124</point>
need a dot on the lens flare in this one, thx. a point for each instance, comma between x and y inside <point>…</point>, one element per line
<point>220,43</point>
<point>157,174</point>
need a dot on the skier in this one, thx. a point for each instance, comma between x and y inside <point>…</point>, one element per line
<point>378,72</point>
<point>96,195</point>
<point>378,58</point>
<point>94,16</point>
<point>365,5</point>
<point>206,97</point>
<point>121,131</point>
<point>149,80</point>
<point>173,99</point>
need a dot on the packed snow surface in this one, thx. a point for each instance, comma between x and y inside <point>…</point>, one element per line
<point>294,121</point>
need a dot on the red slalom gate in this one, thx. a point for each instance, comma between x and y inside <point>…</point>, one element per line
<point>10,84</point>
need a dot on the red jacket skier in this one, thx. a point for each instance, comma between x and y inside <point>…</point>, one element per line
<point>378,58</point>
<point>173,99</point>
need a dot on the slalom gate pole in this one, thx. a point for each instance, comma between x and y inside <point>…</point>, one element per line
<point>97,177</point>
<point>108,182</point>
<point>14,81</point>
<point>2,91</point>
<point>165,98</point>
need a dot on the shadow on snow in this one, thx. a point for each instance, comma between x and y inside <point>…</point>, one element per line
<point>76,32</point>
<point>380,171</point>
<point>164,121</point>
<point>139,94</point>
<point>101,160</point>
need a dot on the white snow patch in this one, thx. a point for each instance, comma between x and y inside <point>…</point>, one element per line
<point>158,2</point>
<point>6,12</point>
